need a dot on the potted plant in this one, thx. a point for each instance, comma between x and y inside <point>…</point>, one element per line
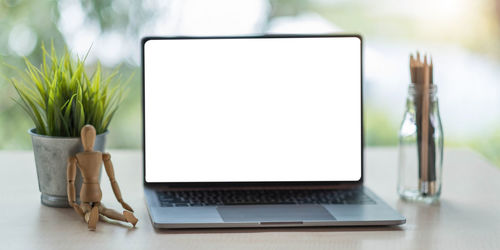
<point>60,98</point>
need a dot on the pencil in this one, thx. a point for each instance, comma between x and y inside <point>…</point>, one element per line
<point>421,74</point>
<point>425,125</point>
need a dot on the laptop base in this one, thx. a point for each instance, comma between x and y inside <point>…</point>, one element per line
<point>295,215</point>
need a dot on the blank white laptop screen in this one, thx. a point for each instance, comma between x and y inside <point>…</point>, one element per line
<point>252,109</point>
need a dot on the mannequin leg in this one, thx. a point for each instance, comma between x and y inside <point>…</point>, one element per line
<point>112,214</point>
<point>86,208</point>
<point>130,217</point>
<point>93,218</point>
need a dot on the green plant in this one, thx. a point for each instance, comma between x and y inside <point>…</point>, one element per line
<point>61,98</point>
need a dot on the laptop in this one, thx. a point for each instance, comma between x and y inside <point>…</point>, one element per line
<point>256,131</point>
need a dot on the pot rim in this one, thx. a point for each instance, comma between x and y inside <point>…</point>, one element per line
<point>32,133</point>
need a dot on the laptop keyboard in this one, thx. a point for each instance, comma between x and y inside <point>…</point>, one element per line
<point>261,197</point>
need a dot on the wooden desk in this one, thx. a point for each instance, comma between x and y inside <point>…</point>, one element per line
<point>468,216</point>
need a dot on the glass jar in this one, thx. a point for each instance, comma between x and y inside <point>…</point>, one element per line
<point>418,181</point>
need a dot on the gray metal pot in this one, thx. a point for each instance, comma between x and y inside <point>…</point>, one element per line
<point>51,157</point>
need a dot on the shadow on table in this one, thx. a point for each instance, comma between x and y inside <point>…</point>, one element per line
<point>282,229</point>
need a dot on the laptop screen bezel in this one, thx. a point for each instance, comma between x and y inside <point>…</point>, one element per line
<point>144,40</point>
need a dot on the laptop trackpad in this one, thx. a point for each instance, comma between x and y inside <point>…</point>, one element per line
<point>274,213</point>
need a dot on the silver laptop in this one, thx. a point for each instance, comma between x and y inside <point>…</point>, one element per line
<point>260,131</point>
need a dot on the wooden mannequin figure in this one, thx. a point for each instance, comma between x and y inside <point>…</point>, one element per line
<point>89,162</point>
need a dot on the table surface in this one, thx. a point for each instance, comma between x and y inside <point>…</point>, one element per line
<point>467,216</point>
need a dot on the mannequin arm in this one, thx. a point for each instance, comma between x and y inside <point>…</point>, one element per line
<point>71,176</point>
<point>111,174</point>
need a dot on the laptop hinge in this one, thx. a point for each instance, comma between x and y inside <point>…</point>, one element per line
<point>256,187</point>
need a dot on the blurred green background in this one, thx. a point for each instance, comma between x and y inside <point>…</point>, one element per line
<point>462,36</point>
